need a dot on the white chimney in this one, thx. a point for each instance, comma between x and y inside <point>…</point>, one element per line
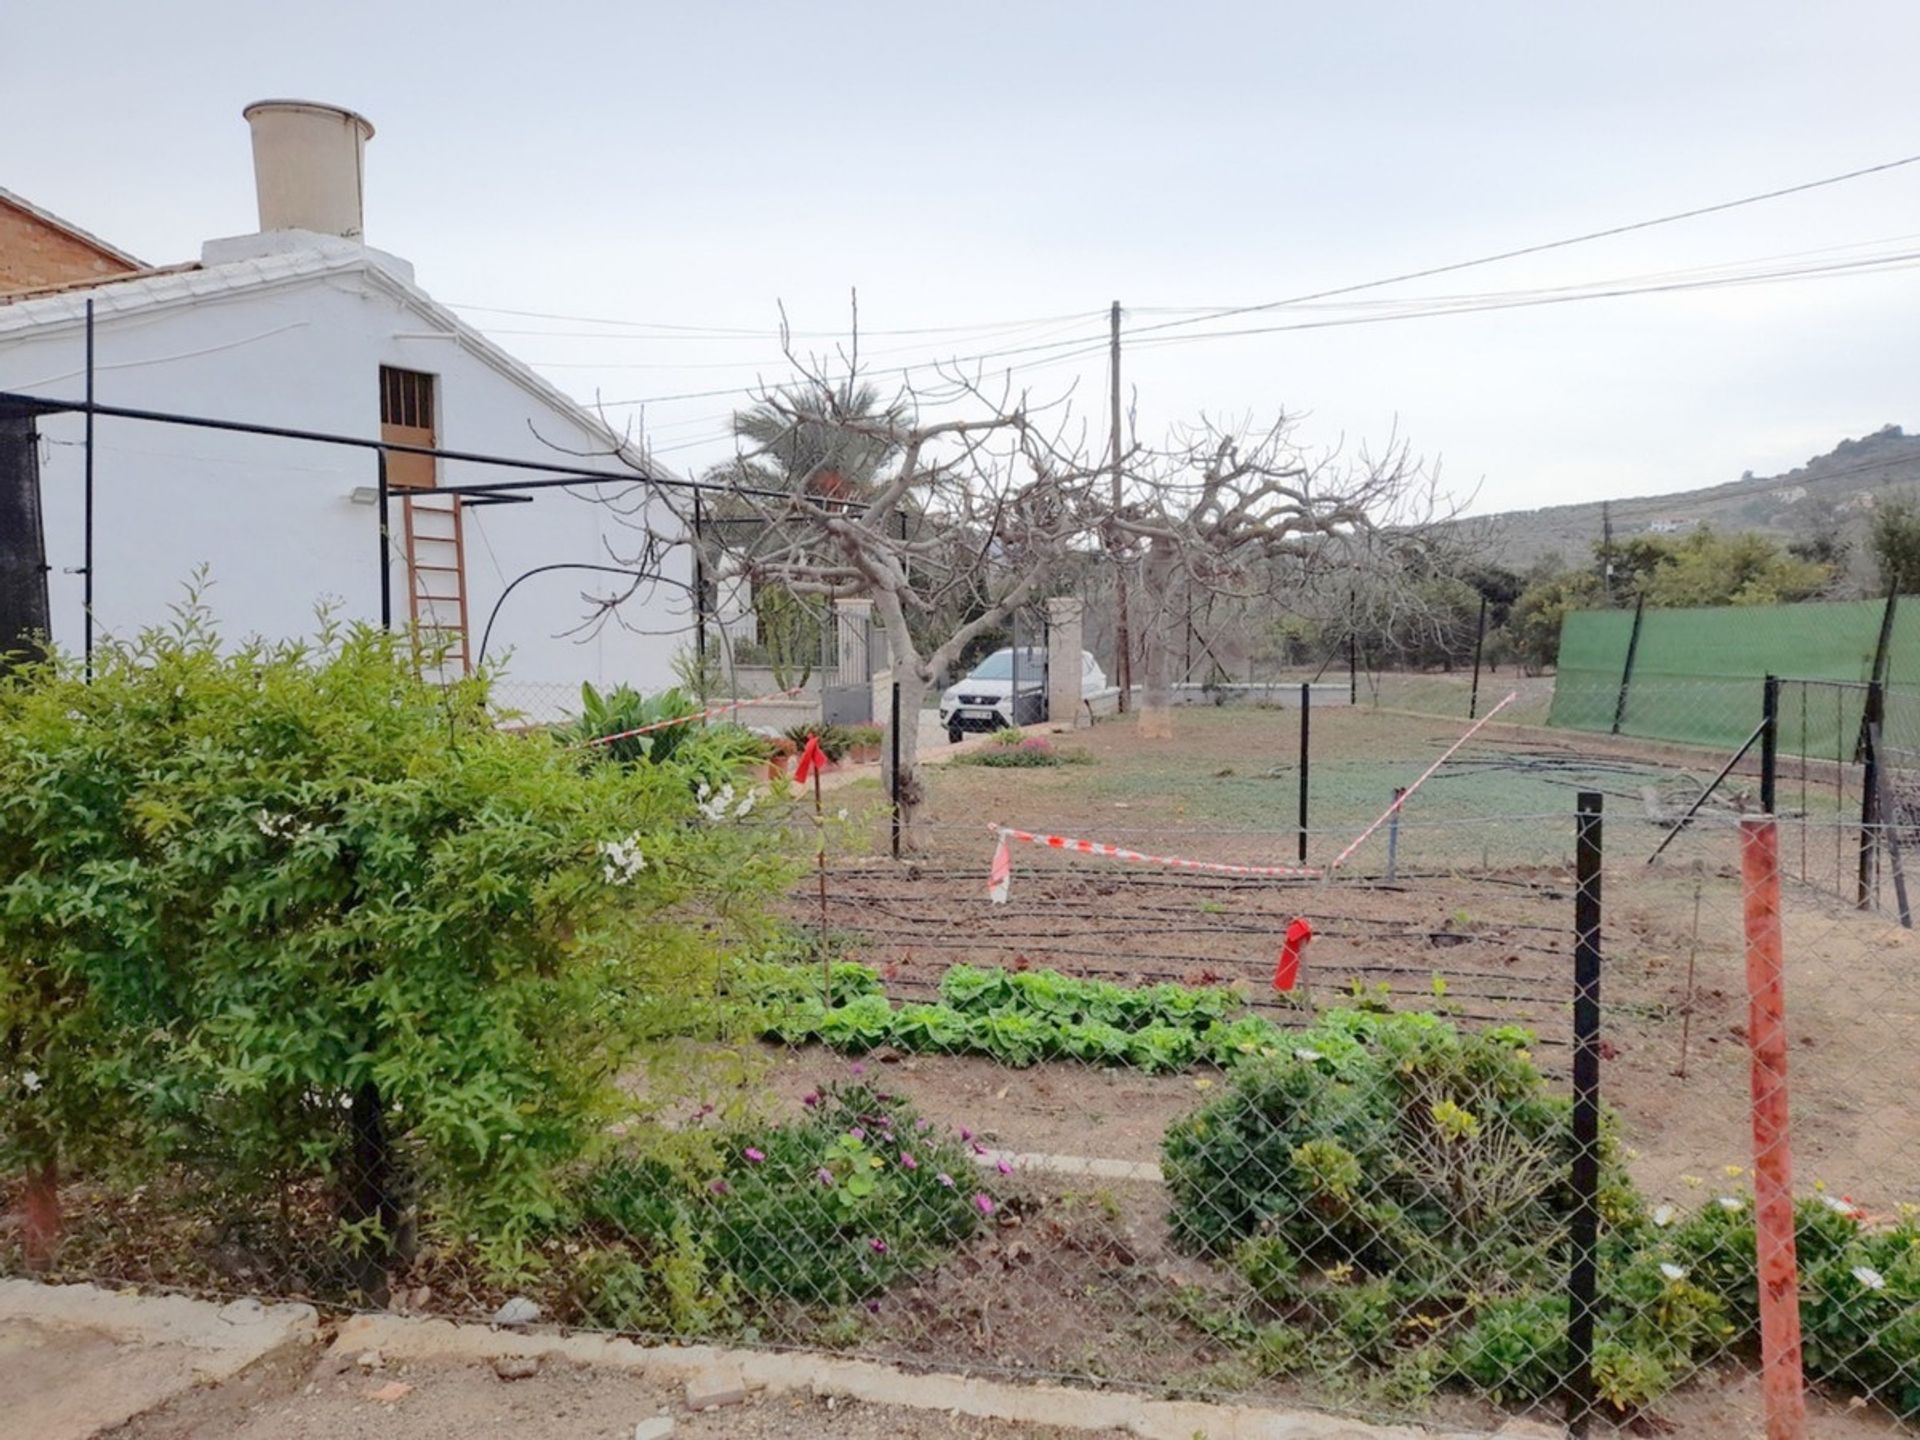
<point>307,166</point>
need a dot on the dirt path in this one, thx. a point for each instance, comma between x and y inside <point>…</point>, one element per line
<point>457,1401</point>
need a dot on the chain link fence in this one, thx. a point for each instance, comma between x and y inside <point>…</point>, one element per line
<point>1455,1125</point>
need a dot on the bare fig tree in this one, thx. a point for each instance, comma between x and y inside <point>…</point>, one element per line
<point>962,517</point>
<point>1246,515</point>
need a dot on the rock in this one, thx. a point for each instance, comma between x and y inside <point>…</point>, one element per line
<point>1522,1429</point>
<point>516,1367</point>
<point>391,1391</point>
<point>517,1311</point>
<point>715,1389</point>
<point>242,1312</point>
<point>370,1360</point>
<point>657,1428</point>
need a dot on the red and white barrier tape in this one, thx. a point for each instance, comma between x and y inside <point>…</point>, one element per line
<point>689,719</point>
<point>1400,800</point>
<point>1000,873</point>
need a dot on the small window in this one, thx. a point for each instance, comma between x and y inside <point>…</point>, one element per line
<point>406,398</point>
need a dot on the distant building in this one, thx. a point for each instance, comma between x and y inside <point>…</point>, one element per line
<point>1670,527</point>
<point>302,325</point>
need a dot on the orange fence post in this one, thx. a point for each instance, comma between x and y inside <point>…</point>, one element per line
<point>1783,1386</point>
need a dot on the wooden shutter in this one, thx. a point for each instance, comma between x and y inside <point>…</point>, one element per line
<point>406,418</point>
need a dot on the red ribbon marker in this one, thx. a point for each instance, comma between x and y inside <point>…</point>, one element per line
<point>811,761</point>
<point>1286,971</point>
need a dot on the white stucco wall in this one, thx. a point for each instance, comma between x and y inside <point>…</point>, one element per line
<point>273,519</point>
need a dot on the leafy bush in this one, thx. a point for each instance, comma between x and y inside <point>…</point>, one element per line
<point>258,903</point>
<point>836,741</point>
<point>831,1209</point>
<point>1015,751</point>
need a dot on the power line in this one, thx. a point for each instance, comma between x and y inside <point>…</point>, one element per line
<point>1608,233</point>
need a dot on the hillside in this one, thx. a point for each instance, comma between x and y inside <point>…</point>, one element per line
<point>1839,485</point>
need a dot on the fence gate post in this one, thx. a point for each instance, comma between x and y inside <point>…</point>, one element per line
<point>893,766</point>
<point>1769,742</point>
<point>1306,718</point>
<point>1583,1232</point>
<point>1782,1386</point>
<point>1874,715</point>
<point>1479,644</point>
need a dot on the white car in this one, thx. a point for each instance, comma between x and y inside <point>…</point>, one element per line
<point>984,700</point>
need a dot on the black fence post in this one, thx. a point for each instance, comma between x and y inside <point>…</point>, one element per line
<point>1626,670</point>
<point>699,592</point>
<point>1584,1228</point>
<point>385,494</point>
<point>1306,731</point>
<point>1769,742</point>
<point>1871,720</point>
<point>86,524</point>
<point>893,766</point>
<point>1479,645</point>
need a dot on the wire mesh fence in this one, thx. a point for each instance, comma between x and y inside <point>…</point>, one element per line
<point>1321,1139</point>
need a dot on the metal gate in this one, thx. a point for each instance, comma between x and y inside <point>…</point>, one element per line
<point>855,648</point>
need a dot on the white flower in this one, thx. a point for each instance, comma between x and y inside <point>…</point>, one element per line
<point>621,860</point>
<point>1307,1055</point>
<point>745,807</point>
<point>1841,1206</point>
<point>1672,1272</point>
<point>30,1082</point>
<point>1732,1204</point>
<point>714,804</point>
<point>1869,1277</point>
<point>1664,1215</point>
<point>841,813</point>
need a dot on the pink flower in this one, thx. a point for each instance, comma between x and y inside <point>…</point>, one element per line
<point>857,1133</point>
<point>754,1157</point>
<point>945,1179</point>
<point>810,1099</point>
<point>907,1162</point>
<point>1005,1166</point>
<point>965,1134</point>
<point>720,1187</point>
<point>823,1175</point>
<point>856,1068</point>
<point>978,1148</point>
<point>984,1204</point>
<point>924,1125</point>
<point>879,1245</point>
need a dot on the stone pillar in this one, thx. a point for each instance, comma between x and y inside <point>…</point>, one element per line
<point>1064,705</point>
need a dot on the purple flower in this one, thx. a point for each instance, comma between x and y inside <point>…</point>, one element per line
<point>873,1307</point>
<point>984,1204</point>
<point>720,1187</point>
<point>754,1157</point>
<point>856,1068</point>
<point>810,1099</point>
<point>965,1134</point>
<point>945,1179</point>
<point>907,1161</point>
<point>924,1125</point>
<point>1004,1166</point>
<point>857,1133</point>
<point>878,1245</point>
<point>823,1175</point>
<point>978,1148</point>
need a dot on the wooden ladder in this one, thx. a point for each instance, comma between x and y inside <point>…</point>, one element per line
<point>437,583</point>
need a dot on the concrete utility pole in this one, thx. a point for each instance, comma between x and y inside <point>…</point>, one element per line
<point>1122,646</point>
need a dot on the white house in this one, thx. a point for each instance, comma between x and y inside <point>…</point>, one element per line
<point>304,326</point>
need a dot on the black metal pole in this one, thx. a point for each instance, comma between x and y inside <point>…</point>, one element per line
<point>1871,720</point>
<point>699,591</point>
<point>1306,752</point>
<point>1353,663</point>
<point>1479,644</point>
<point>1584,1228</point>
<point>1769,742</point>
<point>893,767</point>
<point>86,542</point>
<point>1891,829</point>
<point>386,542</point>
<point>1626,670</point>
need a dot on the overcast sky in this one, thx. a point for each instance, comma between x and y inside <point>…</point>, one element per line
<point>1012,168</point>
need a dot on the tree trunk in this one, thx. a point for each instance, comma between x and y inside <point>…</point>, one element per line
<point>40,1208</point>
<point>1156,711</point>
<point>370,1193</point>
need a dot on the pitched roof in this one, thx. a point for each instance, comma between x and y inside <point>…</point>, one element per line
<point>67,227</point>
<point>158,289</point>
